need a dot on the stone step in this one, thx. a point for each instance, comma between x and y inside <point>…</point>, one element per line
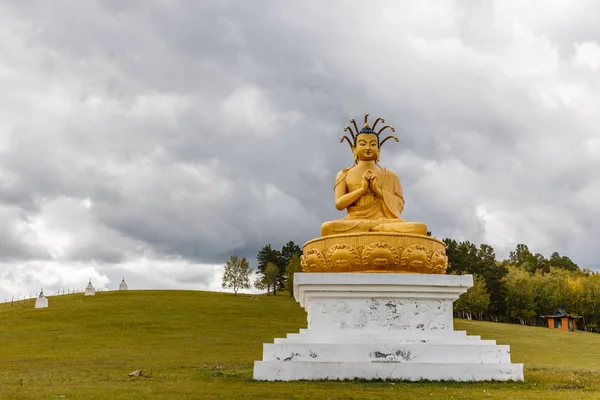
<point>291,371</point>
<point>445,339</point>
<point>386,352</point>
<point>404,333</point>
<point>418,335</point>
<point>458,342</point>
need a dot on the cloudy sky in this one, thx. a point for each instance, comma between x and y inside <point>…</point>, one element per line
<point>153,139</point>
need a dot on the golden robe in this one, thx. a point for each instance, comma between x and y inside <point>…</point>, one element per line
<point>374,213</point>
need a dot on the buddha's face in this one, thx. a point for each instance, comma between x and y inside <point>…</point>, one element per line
<point>367,147</point>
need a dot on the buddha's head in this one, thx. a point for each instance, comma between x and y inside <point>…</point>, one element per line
<point>365,144</point>
<point>366,147</point>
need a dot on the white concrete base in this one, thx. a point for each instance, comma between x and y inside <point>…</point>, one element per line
<point>383,326</point>
<point>89,290</point>
<point>286,371</point>
<point>41,302</point>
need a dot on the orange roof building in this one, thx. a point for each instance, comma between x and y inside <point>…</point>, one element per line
<point>562,321</point>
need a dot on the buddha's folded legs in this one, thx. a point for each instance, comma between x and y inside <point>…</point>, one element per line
<point>346,226</point>
<point>365,225</point>
<point>418,228</point>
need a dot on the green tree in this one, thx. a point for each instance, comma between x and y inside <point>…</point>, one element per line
<point>476,300</point>
<point>267,255</point>
<point>541,263</point>
<point>591,303</point>
<point>466,258</point>
<point>237,274</point>
<point>520,255</point>
<point>551,290</point>
<point>292,267</point>
<point>492,272</point>
<point>535,263</point>
<point>520,297</point>
<point>288,251</point>
<point>462,257</point>
<point>259,283</point>
<point>451,250</point>
<point>271,276</point>
<point>562,262</point>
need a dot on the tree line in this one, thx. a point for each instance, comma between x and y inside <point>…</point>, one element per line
<point>519,289</point>
<point>275,270</point>
<point>524,286</point>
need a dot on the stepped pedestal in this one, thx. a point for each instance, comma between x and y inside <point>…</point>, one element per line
<point>41,301</point>
<point>382,326</point>
<point>89,290</point>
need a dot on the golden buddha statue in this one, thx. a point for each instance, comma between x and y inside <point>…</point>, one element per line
<point>372,237</point>
<point>371,195</point>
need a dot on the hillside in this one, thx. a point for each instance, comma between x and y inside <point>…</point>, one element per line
<point>201,345</point>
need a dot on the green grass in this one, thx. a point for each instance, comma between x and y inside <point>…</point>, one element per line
<point>202,345</point>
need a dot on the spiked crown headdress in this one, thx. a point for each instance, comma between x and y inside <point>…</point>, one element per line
<point>366,129</point>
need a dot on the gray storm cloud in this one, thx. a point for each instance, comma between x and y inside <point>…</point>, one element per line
<point>158,138</point>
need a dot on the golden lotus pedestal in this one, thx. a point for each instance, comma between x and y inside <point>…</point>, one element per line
<point>375,252</point>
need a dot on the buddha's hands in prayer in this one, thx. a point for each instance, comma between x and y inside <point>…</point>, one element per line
<point>375,187</point>
<point>366,179</point>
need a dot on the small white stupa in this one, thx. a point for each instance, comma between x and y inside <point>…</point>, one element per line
<point>41,301</point>
<point>89,289</point>
<point>123,284</point>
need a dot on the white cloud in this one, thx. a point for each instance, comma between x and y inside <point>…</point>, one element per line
<point>251,108</point>
<point>588,54</point>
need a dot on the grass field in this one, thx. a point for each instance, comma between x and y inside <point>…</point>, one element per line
<point>202,345</point>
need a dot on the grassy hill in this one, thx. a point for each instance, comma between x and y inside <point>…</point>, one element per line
<point>202,345</point>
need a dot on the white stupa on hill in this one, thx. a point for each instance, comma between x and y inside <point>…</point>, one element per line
<point>41,301</point>
<point>89,289</point>
<point>123,284</point>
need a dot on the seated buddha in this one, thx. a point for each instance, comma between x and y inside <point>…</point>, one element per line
<point>371,195</point>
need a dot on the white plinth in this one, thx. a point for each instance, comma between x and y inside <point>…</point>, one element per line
<point>90,291</point>
<point>122,286</point>
<point>383,326</point>
<point>41,302</point>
